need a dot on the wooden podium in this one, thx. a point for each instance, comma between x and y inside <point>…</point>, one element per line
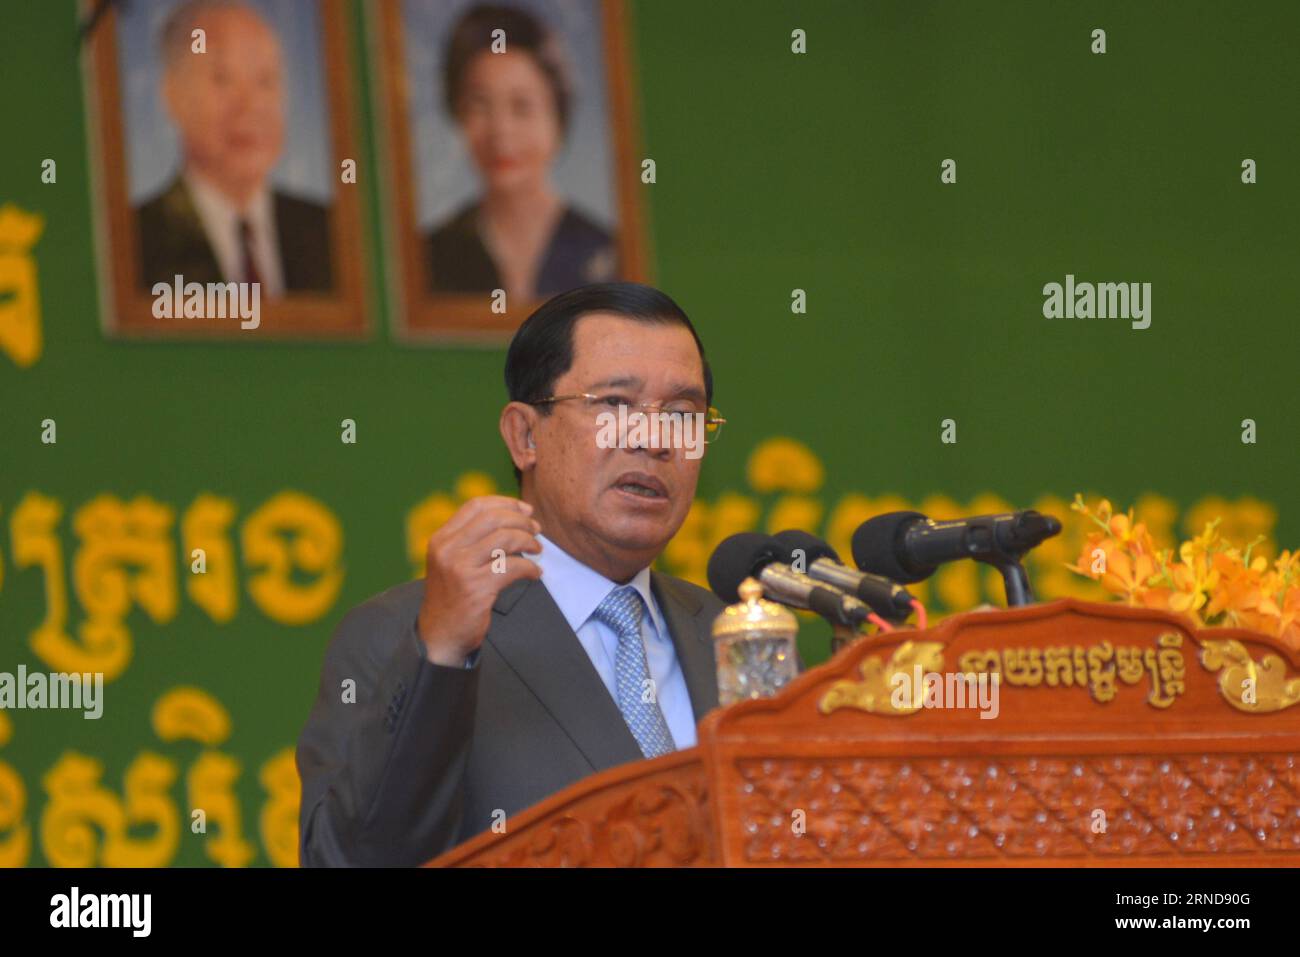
<point>1123,738</point>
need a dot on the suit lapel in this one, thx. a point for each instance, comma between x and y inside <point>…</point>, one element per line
<point>192,252</point>
<point>530,633</point>
<point>693,640</point>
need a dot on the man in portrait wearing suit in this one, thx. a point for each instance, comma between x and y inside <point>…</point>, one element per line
<point>219,219</point>
<point>521,662</point>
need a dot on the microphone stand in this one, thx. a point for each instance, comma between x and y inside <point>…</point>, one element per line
<point>1016,581</point>
<point>842,635</point>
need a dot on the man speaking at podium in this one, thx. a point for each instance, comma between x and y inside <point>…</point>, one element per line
<point>539,647</point>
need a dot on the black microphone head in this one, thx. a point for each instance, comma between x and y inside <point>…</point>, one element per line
<point>876,547</point>
<point>1035,527</point>
<point>737,558</point>
<point>1025,530</point>
<point>812,547</point>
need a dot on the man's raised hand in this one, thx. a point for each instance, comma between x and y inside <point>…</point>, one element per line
<point>467,563</point>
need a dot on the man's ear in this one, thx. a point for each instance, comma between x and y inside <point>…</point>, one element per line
<point>518,421</point>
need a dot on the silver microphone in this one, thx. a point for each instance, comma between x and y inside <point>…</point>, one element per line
<point>783,584</point>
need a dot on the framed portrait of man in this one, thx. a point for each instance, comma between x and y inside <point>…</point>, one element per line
<point>224,159</point>
<point>512,170</point>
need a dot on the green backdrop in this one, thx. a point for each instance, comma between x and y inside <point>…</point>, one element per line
<point>776,172</point>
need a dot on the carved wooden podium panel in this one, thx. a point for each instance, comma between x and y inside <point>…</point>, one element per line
<point>1122,737</point>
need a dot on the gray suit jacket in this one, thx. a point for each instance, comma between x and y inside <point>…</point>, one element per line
<point>427,754</point>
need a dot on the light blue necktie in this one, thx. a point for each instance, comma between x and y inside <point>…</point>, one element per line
<point>621,611</point>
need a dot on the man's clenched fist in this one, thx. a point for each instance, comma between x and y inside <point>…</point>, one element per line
<point>461,579</point>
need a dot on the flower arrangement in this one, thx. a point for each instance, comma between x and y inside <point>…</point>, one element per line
<point>1210,580</point>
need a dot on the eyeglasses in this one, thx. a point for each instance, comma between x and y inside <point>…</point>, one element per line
<point>713,421</point>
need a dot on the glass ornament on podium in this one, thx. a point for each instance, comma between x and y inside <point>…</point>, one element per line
<point>754,643</point>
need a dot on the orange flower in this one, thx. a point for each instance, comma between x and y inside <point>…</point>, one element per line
<point>1288,626</point>
<point>1211,581</point>
<point>1239,589</point>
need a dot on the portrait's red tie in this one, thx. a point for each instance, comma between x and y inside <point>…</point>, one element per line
<point>248,263</point>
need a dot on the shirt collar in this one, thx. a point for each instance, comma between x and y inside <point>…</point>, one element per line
<point>212,204</point>
<point>578,589</point>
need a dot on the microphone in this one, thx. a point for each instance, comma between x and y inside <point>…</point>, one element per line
<point>886,598</point>
<point>747,554</point>
<point>908,547</point>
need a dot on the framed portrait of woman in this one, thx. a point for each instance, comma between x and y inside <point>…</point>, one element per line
<point>510,150</point>
<point>222,133</point>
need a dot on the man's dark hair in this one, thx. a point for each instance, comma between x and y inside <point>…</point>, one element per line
<point>542,349</point>
<point>472,34</point>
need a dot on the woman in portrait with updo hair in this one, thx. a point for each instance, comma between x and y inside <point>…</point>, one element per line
<point>513,110</point>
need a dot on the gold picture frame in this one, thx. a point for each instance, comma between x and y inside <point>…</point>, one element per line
<point>422,316</point>
<point>126,300</point>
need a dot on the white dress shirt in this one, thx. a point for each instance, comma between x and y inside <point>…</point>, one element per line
<point>220,219</point>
